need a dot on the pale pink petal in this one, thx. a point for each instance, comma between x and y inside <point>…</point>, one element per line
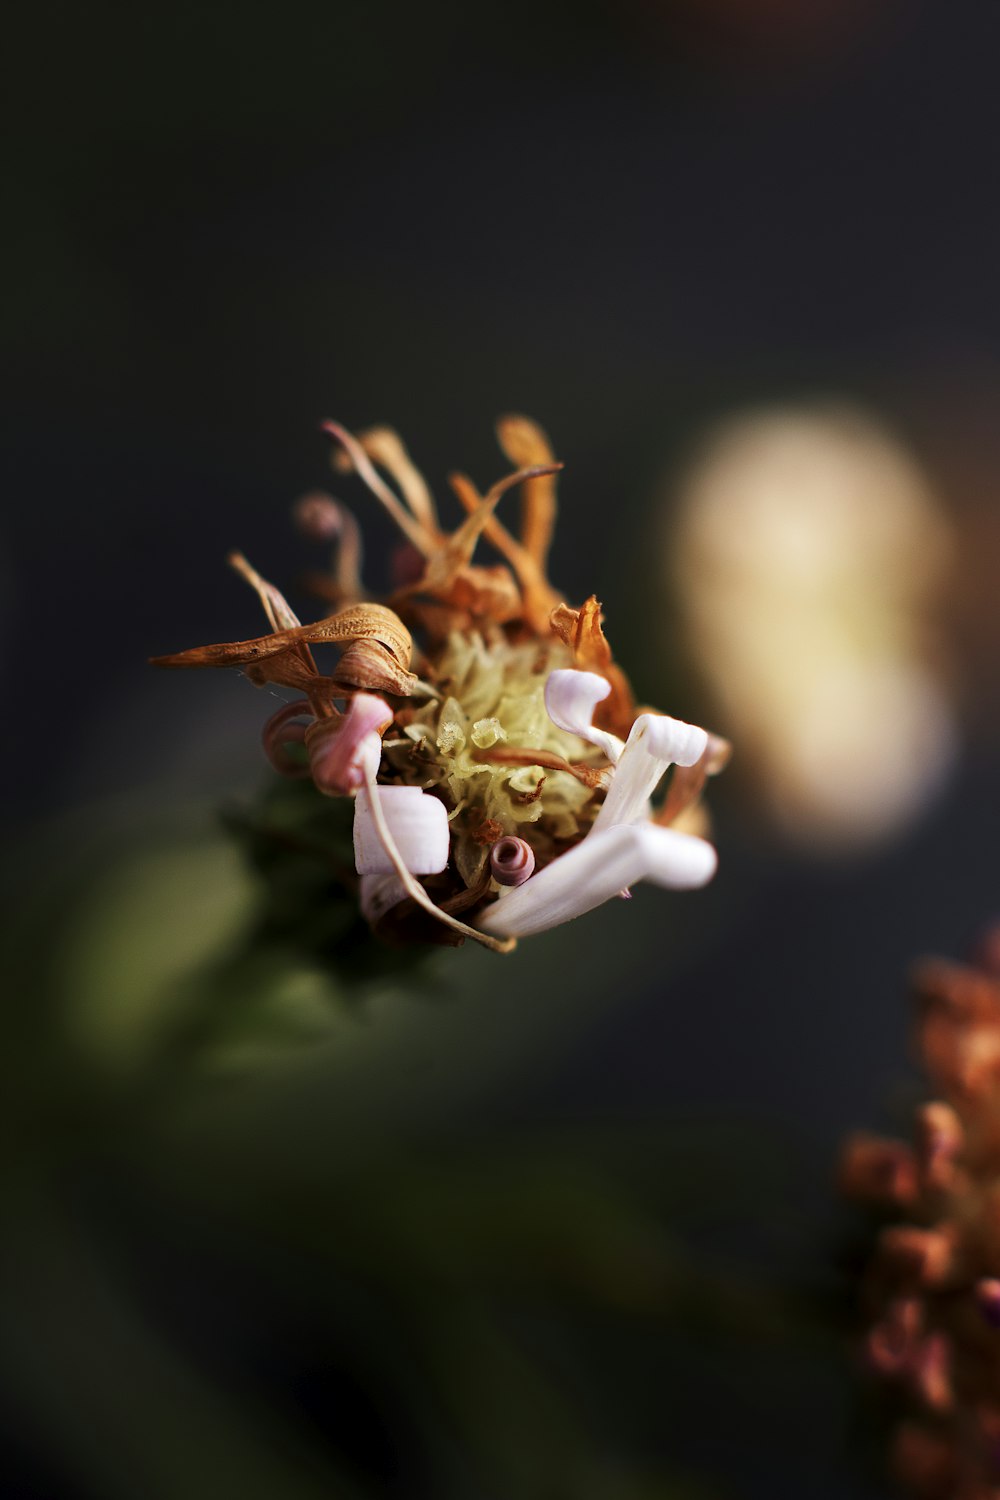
<point>597,869</point>
<point>571,699</point>
<point>419,827</point>
<point>339,749</point>
<point>654,743</point>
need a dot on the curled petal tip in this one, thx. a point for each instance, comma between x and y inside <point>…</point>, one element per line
<point>512,861</point>
<point>671,740</point>
<point>571,700</point>
<point>282,729</point>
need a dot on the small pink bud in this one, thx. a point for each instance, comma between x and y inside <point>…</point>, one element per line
<point>340,750</point>
<point>512,861</point>
<point>319,517</point>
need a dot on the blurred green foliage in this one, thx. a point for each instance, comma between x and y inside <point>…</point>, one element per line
<point>265,1239</point>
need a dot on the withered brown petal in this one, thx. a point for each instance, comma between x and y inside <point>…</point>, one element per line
<point>539,597</point>
<point>279,612</point>
<point>459,547</point>
<point>582,631</point>
<point>369,665</point>
<point>385,446</point>
<point>356,622</point>
<point>414,531</point>
<point>524,443</point>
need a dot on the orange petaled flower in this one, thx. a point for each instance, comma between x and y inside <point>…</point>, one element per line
<point>933,1287</point>
<point>500,771</point>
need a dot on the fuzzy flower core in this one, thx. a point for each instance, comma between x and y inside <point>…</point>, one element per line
<point>495,703</point>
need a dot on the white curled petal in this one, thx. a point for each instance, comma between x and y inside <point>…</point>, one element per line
<point>379,894</point>
<point>675,742</point>
<point>571,699</point>
<point>419,827</point>
<point>654,743</point>
<point>598,868</point>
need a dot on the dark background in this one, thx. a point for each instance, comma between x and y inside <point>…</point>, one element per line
<point>225,223</point>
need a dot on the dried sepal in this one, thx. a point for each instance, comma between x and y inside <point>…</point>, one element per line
<point>385,447</point>
<point>279,612</point>
<point>583,632</point>
<point>526,445</point>
<point>422,537</point>
<point>286,669</point>
<point>453,557</point>
<point>296,669</point>
<point>356,622</point>
<point>369,665</point>
<point>539,598</point>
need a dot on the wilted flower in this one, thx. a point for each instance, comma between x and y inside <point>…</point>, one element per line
<point>490,743</point>
<point>933,1287</point>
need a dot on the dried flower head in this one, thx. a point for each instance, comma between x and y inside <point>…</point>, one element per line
<point>491,744</point>
<point>933,1286</point>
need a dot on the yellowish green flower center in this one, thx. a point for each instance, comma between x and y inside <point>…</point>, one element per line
<point>493,699</point>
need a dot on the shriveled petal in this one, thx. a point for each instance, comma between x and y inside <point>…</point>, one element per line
<point>418,823</point>
<point>571,699</point>
<point>654,743</point>
<point>599,867</point>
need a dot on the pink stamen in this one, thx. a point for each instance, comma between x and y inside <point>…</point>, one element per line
<point>512,861</point>
<point>341,749</point>
<point>285,728</point>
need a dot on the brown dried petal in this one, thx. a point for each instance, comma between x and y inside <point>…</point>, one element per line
<point>486,593</point>
<point>370,666</point>
<point>357,622</point>
<point>445,564</point>
<point>386,447</point>
<point>525,444</point>
<point>582,630</point>
<point>422,538</point>
<point>539,597</point>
